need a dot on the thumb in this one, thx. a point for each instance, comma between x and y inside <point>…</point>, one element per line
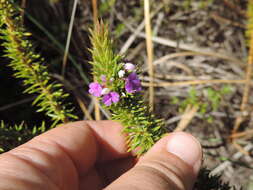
<point>171,164</point>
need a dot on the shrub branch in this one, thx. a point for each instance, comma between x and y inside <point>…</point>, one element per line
<point>30,66</point>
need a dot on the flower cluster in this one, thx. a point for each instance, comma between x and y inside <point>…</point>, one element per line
<point>110,95</point>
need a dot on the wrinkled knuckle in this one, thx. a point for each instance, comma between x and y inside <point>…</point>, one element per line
<point>168,174</point>
<point>16,166</point>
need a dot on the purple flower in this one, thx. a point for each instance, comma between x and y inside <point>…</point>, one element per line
<point>95,89</point>
<point>133,83</point>
<point>112,97</point>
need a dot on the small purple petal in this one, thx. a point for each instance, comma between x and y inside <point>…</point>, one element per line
<point>129,86</point>
<point>115,97</point>
<point>133,83</point>
<point>112,97</point>
<point>107,99</point>
<point>95,89</point>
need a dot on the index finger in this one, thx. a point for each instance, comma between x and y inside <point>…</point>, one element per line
<point>84,142</point>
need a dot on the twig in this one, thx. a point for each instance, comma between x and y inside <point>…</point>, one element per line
<point>191,48</point>
<point>131,55</point>
<point>173,119</point>
<point>159,20</point>
<point>95,21</point>
<point>71,24</point>
<point>84,109</point>
<point>240,148</point>
<point>242,134</point>
<point>195,82</point>
<point>141,26</point>
<point>5,107</point>
<point>95,11</point>
<point>149,46</point>
<point>227,21</point>
<point>23,5</point>
<point>245,97</point>
<point>96,109</point>
<point>191,53</point>
<point>178,65</point>
<point>181,77</point>
<point>187,117</point>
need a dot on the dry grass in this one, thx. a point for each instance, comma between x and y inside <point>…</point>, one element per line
<point>195,82</point>
<point>187,117</point>
<point>149,46</point>
<point>95,20</point>
<point>70,30</point>
<point>245,99</point>
<point>23,5</point>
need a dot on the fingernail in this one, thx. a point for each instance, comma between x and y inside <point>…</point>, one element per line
<point>187,148</point>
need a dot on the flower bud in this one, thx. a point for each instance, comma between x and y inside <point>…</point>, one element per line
<point>129,67</point>
<point>103,78</point>
<point>121,73</point>
<point>105,91</point>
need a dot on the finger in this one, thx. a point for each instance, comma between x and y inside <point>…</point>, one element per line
<point>103,174</point>
<point>64,153</point>
<point>86,142</point>
<point>110,139</point>
<point>172,164</point>
<point>111,170</point>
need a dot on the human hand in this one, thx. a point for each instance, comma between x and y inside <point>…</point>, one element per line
<point>92,155</point>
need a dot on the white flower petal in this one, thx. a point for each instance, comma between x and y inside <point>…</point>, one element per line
<point>121,73</point>
<point>105,91</point>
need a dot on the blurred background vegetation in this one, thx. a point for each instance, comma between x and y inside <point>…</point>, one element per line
<point>201,62</point>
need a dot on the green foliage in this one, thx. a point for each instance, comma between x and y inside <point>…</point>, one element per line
<point>202,3</point>
<point>215,96</point>
<point>208,100</point>
<point>13,136</point>
<point>105,6</point>
<point>119,30</point>
<point>105,61</point>
<point>30,66</point>
<point>142,127</point>
<point>205,3</point>
<point>187,4</point>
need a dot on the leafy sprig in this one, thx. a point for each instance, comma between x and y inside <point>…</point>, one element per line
<point>208,100</point>
<point>140,125</point>
<point>30,66</point>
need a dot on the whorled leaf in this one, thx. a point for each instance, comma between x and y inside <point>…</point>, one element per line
<point>30,67</point>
